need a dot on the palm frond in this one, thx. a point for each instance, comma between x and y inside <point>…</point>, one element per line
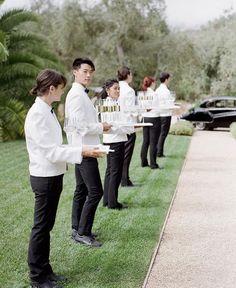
<point>3,46</point>
<point>25,40</point>
<point>18,89</point>
<point>17,70</point>
<point>15,17</point>
<point>3,52</point>
<point>12,115</point>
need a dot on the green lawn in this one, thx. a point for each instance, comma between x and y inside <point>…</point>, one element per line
<point>129,236</point>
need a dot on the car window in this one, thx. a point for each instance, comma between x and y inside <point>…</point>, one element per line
<point>230,103</point>
<point>210,104</point>
<point>220,104</point>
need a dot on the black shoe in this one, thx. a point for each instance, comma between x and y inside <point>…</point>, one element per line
<point>75,232</point>
<point>46,284</point>
<point>154,166</point>
<point>87,240</point>
<point>127,184</point>
<point>119,206</point>
<point>144,164</point>
<point>161,156</point>
<point>56,278</point>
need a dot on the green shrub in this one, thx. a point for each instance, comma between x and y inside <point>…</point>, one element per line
<point>182,127</point>
<point>233,129</point>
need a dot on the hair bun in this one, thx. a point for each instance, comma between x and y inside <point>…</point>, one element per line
<point>34,91</point>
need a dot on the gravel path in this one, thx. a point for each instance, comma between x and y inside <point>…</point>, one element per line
<point>198,247</point>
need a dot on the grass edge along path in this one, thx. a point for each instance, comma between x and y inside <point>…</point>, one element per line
<point>129,236</point>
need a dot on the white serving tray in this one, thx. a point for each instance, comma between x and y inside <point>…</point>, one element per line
<point>128,124</point>
<point>100,148</point>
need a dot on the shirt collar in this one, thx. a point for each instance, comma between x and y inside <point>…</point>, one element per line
<point>123,83</point>
<point>43,103</point>
<point>163,85</point>
<point>78,85</point>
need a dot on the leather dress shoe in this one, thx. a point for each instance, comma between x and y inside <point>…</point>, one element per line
<point>127,184</point>
<point>46,284</point>
<point>75,232</point>
<point>119,206</point>
<point>154,166</point>
<point>161,156</point>
<point>87,240</point>
<point>144,164</point>
<point>56,278</point>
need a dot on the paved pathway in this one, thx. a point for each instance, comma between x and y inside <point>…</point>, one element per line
<point>198,248</point>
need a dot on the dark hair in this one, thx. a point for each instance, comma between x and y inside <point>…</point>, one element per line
<point>147,82</point>
<point>79,61</point>
<point>45,79</point>
<point>123,73</point>
<point>108,84</point>
<point>164,76</point>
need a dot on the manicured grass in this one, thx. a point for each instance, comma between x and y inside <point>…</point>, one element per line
<point>129,236</point>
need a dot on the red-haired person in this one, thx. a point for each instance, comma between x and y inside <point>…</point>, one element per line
<point>151,133</point>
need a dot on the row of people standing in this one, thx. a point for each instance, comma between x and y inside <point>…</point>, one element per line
<point>48,158</point>
<point>154,137</point>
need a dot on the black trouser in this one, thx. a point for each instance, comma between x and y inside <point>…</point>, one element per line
<point>113,174</point>
<point>129,148</point>
<point>165,127</point>
<point>47,193</point>
<point>150,138</point>
<point>88,193</point>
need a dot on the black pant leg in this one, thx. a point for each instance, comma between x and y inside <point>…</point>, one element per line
<point>47,194</point>
<point>145,144</point>
<point>129,148</point>
<point>79,199</point>
<point>115,173</point>
<point>91,176</point>
<point>165,127</point>
<point>107,180</point>
<point>153,139</point>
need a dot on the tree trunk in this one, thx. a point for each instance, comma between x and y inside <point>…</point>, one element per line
<point>120,53</point>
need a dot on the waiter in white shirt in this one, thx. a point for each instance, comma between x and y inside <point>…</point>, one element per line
<point>82,116</point>
<point>127,102</point>
<point>116,139</point>
<point>164,98</point>
<point>47,166</point>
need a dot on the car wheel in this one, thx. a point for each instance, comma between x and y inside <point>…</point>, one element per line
<point>200,125</point>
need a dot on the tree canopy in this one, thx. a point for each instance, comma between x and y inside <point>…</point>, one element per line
<point>113,33</point>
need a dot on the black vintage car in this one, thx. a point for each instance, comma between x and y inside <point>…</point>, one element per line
<point>217,111</point>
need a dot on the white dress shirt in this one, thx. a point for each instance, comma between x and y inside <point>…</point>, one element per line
<point>126,101</point>
<point>117,133</point>
<point>155,112</point>
<point>164,98</point>
<point>43,136</point>
<point>82,116</point>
